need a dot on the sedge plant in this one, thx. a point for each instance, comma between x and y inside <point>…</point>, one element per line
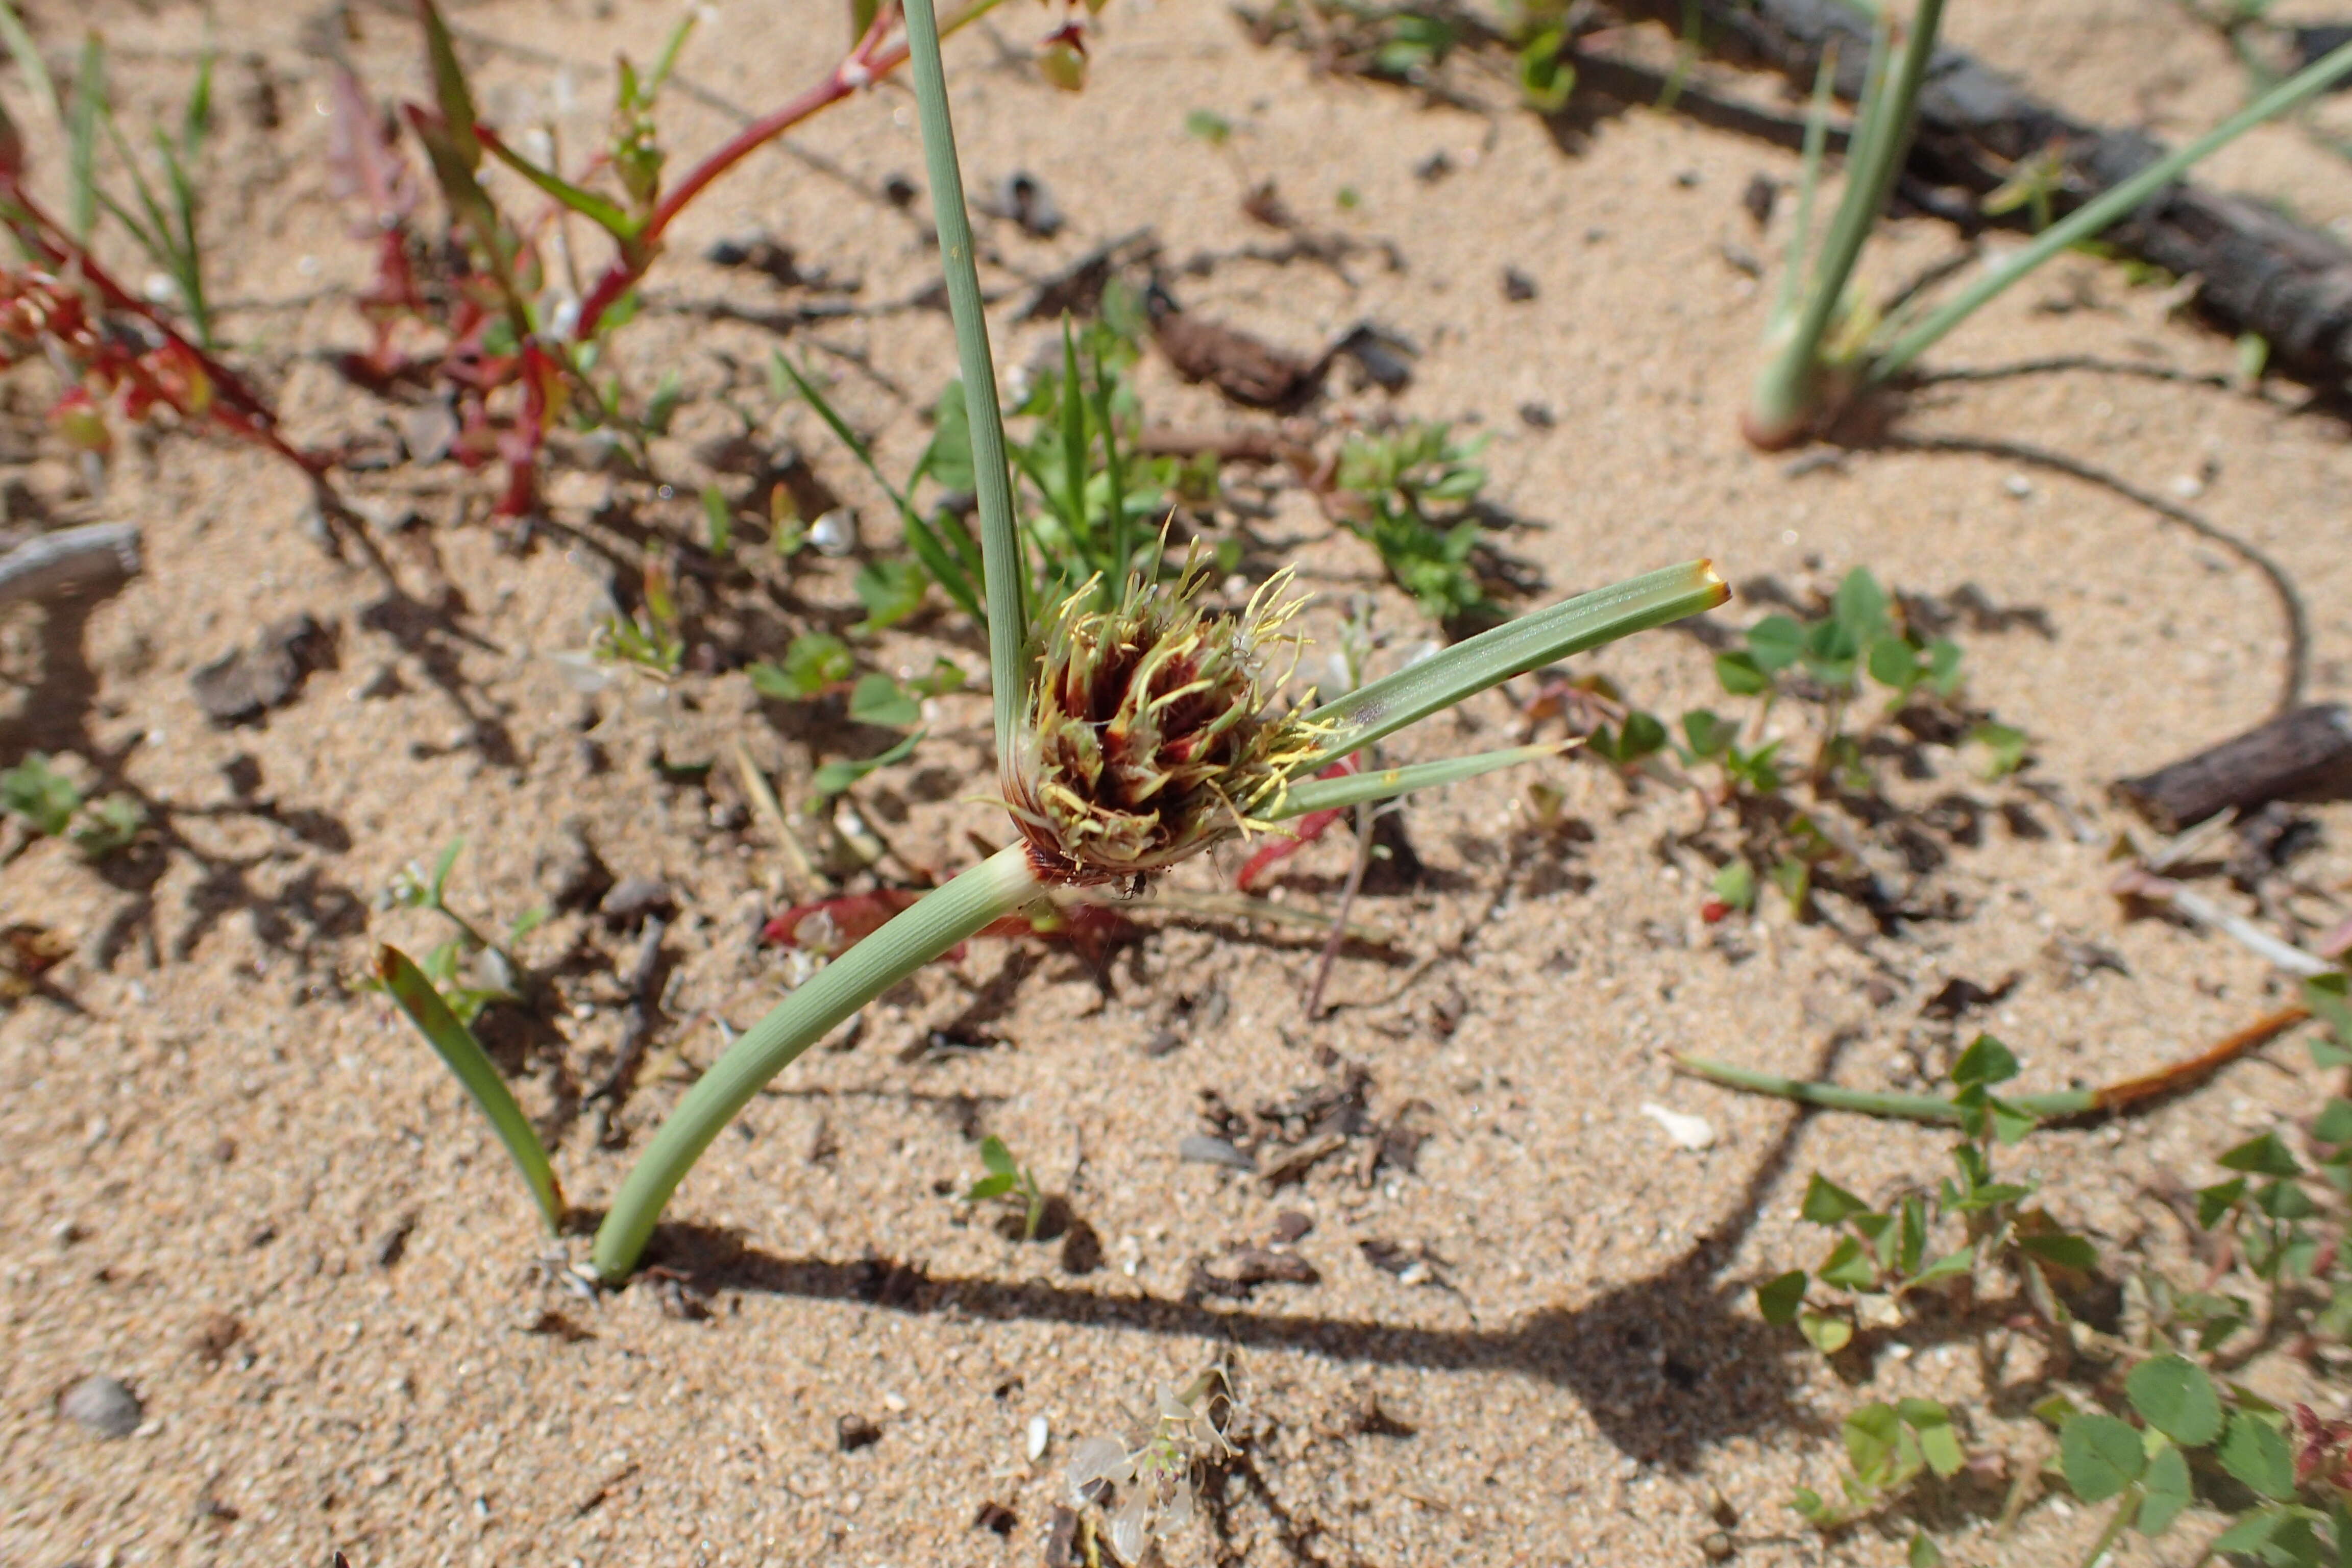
<point>1822,348</point>
<point>1135,727</point>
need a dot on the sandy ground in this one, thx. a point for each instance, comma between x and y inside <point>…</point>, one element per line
<point>242,1188</point>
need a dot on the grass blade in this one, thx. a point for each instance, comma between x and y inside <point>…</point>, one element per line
<point>1925,1108</point>
<point>2111,206</point>
<point>1444,678</point>
<point>1000,543</point>
<point>456,1045</point>
<point>81,138</point>
<point>1817,129</point>
<point>28,55</point>
<point>196,119</point>
<point>605,214</point>
<point>450,92</point>
<point>1122,547</point>
<point>921,536</point>
<point>1385,784</point>
<point>1075,449</point>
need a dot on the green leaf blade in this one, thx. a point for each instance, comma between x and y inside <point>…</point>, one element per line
<point>2099,1455</point>
<point>1382,707</point>
<point>1385,784</point>
<point>456,1045</point>
<point>2173,1395</point>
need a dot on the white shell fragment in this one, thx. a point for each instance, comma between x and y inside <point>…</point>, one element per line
<point>1040,1434</point>
<point>1692,1132</point>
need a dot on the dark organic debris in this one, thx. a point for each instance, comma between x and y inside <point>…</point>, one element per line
<point>2305,753</point>
<point>995,1516</point>
<point>244,683</point>
<point>633,899</point>
<point>855,1432</point>
<point>1517,287</point>
<point>1763,193</point>
<point>103,1405</point>
<point>756,253</point>
<point>1061,1539</point>
<point>27,951</point>
<point>2266,842</point>
<point>1415,1265</point>
<point>1082,1248</point>
<point>559,1326</point>
<point>1238,1274</point>
<point>392,1245</point>
<point>1248,370</point>
<point>1959,997</point>
<point>1024,199</point>
<point>211,1339</point>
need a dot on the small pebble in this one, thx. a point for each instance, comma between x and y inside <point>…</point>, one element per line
<point>1692,1132</point>
<point>1162,1042</point>
<point>1040,1434</point>
<point>2017,485</point>
<point>1517,287</point>
<point>633,898</point>
<point>1716,1546</point>
<point>856,1432</point>
<point>103,1405</point>
<point>1208,1151</point>
<point>835,532</point>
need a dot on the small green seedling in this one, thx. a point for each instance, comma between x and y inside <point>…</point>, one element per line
<point>470,970</point>
<point>1010,1182</point>
<point>52,805</point>
<point>648,640</point>
<point>44,799</point>
<point>1409,494</point>
<point>1888,1447</point>
<point>1883,1256</point>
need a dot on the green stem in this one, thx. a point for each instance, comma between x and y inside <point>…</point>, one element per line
<point>1924,1108</point>
<point>2111,205</point>
<point>988,891</point>
<point>2126,1506</point>
<point>1817,135</point>
<point>1000,546</point>
<point>1788,394</point>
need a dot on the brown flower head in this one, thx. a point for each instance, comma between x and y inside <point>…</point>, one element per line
<point>1144,737</point>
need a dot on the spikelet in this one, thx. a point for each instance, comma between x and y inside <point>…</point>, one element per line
<point>1145,736</point>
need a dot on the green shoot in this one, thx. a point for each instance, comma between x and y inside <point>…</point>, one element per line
<point>648,640</point>
<point>1394,484</point>
<point>470,970</point>
<point>39,795</point>
<point>52,805</point>
<point>1011,1181</point>
<point>456,1045</point>
<point>1822,349</point>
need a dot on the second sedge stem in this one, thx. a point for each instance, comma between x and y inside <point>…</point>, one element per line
<point>947,915</point>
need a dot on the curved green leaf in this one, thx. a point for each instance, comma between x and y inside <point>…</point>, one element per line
<point>457,1045</point>
<point>2100,1456</point>
<point>2174,1395</point>
<point>1436,683</point>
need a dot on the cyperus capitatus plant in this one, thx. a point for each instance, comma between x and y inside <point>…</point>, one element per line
<point>1132,736</point>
